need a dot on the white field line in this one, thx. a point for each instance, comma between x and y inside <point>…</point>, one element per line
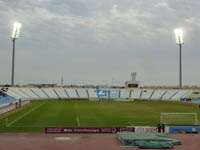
<point>130,123</point>
<point>78,122</point>
<point>24,114</point>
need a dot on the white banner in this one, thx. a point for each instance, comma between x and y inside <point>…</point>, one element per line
<point>146,129</point>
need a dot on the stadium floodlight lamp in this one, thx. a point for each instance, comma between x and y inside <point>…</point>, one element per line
<point>14,36</point>
<point>16,30</point>
<point>179,41</point>
<point>179,36</point>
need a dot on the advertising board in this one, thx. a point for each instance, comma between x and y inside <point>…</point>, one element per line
<point>87,130</point>
<point>146,129</point>
<point>188,129</point>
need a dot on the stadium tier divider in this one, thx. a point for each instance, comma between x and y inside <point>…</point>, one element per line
<point>66,93</point>
<point>171,98</point>
<point>72,93</point>
<point>180,95</point>
<point>135,94</point>
<point>56,94</point>
<point>157,94</point>
<point>169,94</point>
<point>82,93</point>
<point>163,95</point>
<point>28,96</point>
<point>61,93</point>
<point>146,94</point>
<point>45,93</point>
<point>29,92</point>
<point>50,93</point>
<point>40,93</point>
<point>152,94</point>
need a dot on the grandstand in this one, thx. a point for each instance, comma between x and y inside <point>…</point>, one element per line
<point>125,94</point>
<point>33,93</point>
<point>146,94</point>
<point>169,94</point>
<point>82,93</point>
<point>136,94</point>
<point>61,93</point>
<point>50,93</point>
<point>157,94</point>
<point>92,94</point>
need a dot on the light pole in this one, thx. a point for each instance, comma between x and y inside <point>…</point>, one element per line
<point>179,41</point>
<point>14,36</point>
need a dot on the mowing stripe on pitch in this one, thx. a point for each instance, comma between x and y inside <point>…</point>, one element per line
<point>25,114</point>
<point>78,122</point>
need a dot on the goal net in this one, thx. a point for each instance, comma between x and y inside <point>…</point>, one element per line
<point>186,119</point>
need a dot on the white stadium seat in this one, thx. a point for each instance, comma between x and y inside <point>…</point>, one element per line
<point>135,94</point>
<point>20,93</point>
<point>72,93</point>
<point>169,94</point>
<point>29,92</point>
<point>180,94</point>
<point>157,94</point>
<point>39,93</point>
<point>146,94</point>
<point>61,93</point>
<point>92,93</point>
<point>82,93</point>
<point>124,93</point>
<point>49,92</point>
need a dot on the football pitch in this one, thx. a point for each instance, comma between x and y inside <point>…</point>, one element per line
<point>59,113</point>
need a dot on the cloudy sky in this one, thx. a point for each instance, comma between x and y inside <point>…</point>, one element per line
<point>100,41</point>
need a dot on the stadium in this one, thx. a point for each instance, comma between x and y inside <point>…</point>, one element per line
<point>96,110</point>
<point>87,43</point>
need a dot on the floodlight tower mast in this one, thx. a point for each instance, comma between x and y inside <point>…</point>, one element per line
<point>179,41</point>
<point>14,36</point>
<point>62,80</point>
<point>133,75</point>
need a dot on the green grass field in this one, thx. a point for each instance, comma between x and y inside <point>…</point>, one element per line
<point>54,113</point>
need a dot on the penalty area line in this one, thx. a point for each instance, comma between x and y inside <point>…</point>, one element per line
<point>130,123</point>
<point>25,114</point>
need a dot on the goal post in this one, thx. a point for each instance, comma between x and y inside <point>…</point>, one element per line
<point>184,119</point>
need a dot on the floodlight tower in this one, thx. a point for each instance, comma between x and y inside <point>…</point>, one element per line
<point>14,36</point>
<point>179,41</point>
<point>133,75</point>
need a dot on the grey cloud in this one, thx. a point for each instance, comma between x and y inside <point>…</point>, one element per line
<point>93,41</point>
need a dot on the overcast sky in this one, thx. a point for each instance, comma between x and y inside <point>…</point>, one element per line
<point>97,41</point>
